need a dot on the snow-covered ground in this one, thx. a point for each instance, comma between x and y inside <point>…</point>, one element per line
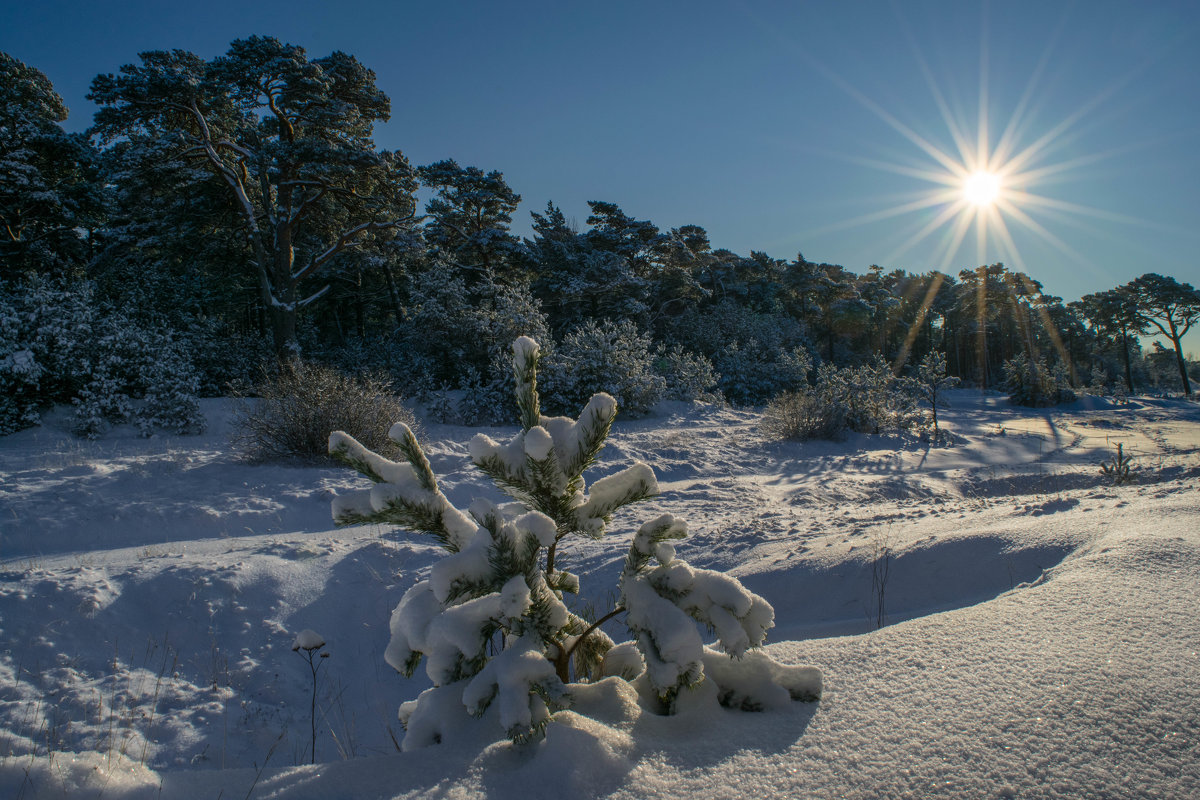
<point>1042,633</point>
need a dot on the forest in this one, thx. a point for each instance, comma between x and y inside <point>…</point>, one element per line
<point>223,214</point>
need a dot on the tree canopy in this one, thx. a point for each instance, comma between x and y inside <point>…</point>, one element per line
<point>288,137</point>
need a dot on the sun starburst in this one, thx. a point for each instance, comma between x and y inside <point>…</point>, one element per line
<point>980,187</point>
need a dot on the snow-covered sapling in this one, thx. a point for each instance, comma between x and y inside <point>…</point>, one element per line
<point>308,644</point>
<point>490,621</point>
<point>931,384</point>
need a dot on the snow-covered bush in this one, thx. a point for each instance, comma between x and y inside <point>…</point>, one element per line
<point>485,395</point>
<point>58,345</point>
<point>458,336</point>
<point>43,329</point>
<point>1098,381</point>
<point>136,375</point>
<point>300,402</point>
<point>873,399</point>
<point>865,399</point>
<point>223,356</point>
<point>756,355</point>
<point>689,376</point>
<point>1029,382</point>
<point>613,357</point>
<point>752,372</point>
<point>490,621</point>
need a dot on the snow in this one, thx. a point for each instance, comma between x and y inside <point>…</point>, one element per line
<point>308,639</point>
<point>538,443</point>
<point>612,491</point>
<point>525,352</point>
<point>538,524</point>
<point>1042,641</point>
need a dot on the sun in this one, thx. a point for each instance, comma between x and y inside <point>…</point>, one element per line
<point>981,188</point>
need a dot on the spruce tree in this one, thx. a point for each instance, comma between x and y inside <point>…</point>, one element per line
<point>490,621</point>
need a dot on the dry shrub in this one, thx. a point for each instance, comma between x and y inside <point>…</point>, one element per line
<point>802,415</point>
<point>301,403</point>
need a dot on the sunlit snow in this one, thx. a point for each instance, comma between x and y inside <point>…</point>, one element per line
<point>1041,637</point>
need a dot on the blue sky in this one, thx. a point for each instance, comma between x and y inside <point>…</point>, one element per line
<point>786,127</point>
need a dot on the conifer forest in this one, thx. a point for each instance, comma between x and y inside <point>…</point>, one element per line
<point>221,214</point>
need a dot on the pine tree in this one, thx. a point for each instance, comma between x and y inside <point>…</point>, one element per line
<point>1170,307</point>
<point>50,199</point>
<point>931,383</point>
<point>490,622</point>
<point>287,139</point>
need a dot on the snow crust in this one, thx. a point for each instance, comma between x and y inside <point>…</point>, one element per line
<point>1042,638</point>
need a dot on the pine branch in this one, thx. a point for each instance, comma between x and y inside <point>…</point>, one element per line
<point>403,436</point>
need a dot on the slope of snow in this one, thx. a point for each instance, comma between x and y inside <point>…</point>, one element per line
<point>1043,635</point>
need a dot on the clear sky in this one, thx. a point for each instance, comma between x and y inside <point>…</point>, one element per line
<point>820,128</point>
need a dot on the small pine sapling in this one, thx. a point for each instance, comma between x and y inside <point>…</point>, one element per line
<point>490,622</point>
<point>931,384</point>
<point>1119,468</point>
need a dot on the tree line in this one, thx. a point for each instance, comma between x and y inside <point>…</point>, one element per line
<point>241,203</point>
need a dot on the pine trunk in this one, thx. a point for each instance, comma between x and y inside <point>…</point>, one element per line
<point>1128,368</point>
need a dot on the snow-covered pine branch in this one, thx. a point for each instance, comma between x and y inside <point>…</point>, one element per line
<point>404,494</point>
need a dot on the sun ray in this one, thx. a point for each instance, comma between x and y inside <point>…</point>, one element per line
<point>956,132</point>
<point>1049,203</point>
<point>1040,174</point>
<point>925,201</point>
<point>914,328</point>
<point>982,151</point>
<point>961,227</point>
<point>941,219</point>
<point>1008,138</point>
<point>1046,236</point>
<point>1013,253</point>
<point>1057,134</point>
<point>981,323</point>
<point>924,173</point>
<point>1018,160</point>
<point>875,108</point>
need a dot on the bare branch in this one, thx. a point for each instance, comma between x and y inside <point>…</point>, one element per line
<point>345,240</point>
<point>312,297</point>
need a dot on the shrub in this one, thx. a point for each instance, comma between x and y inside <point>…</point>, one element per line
<point>931,383</point>
<point>485,395</point>
<point>301,402</point>
<point>801,415</point>
<point>43,329</point>
<point>223,356</point>
<point>751,372</point>
<point>756,355</point>
<point>1119,468</point>
<point>1098,382</point>
<point>57,345</point>
<point>870,396</point>
<point>864,399</point>
<point>452,328</point>
<point>689,376</point>
<point>136,375</point>
<point>613,357</point>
